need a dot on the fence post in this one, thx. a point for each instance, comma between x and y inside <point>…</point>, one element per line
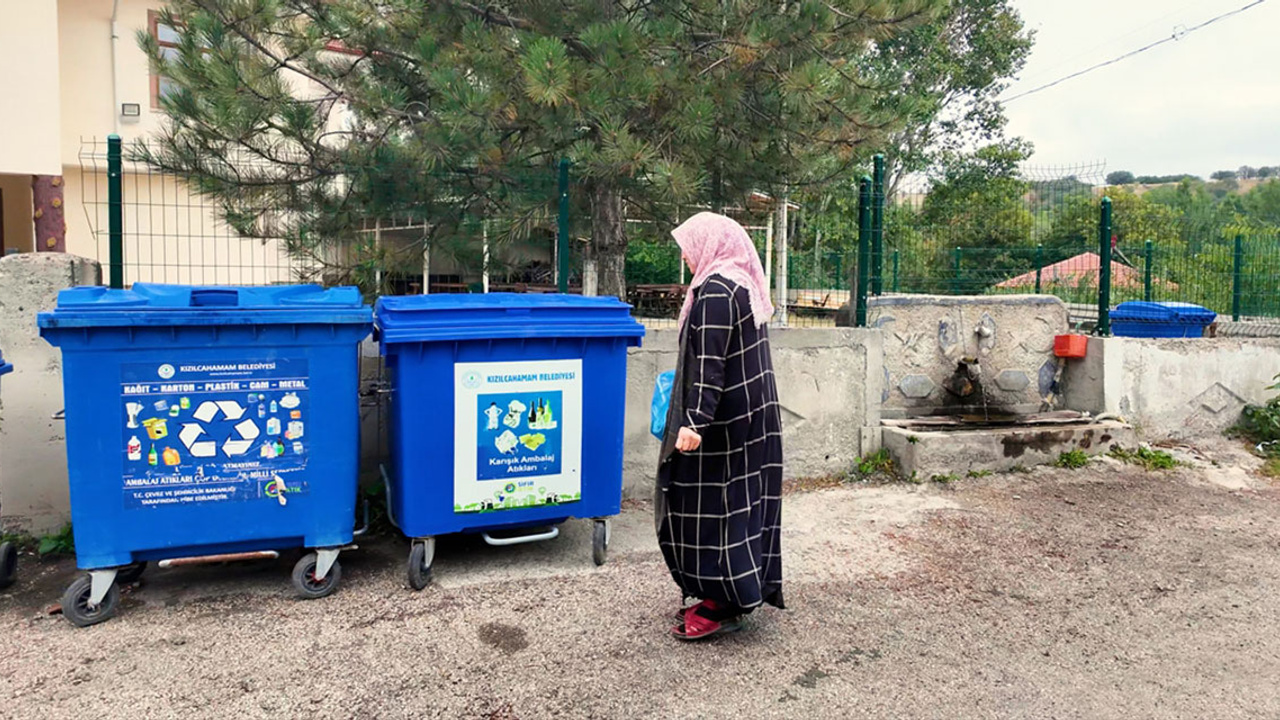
<point>1237,278</point>
<point>877,225</point>
<point>115,212</point>
<point>895,270</point>
<point>1148,252</point>
<point>955,279</point>
<point>864,251</point>
<point>562,231</point>
<point>1104,269</point>
<point>1039,265</point>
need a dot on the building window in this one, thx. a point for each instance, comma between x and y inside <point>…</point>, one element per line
<point>167,38</point>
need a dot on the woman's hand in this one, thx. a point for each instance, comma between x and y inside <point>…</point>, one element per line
<point>688,440</point>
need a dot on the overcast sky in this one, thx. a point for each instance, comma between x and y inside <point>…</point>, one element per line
<point>1206,102</point>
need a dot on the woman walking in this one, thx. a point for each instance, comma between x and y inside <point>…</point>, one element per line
<point>719,504</point>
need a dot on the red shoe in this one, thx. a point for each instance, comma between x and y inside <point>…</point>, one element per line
<point>697,627</point>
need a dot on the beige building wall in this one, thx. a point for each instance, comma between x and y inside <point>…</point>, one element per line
<point>29,123</point>
<point>89,105</point>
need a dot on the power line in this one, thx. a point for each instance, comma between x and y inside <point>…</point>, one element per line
<point>1178,34</point>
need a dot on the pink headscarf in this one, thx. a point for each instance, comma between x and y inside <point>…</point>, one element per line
<point>717,245</point>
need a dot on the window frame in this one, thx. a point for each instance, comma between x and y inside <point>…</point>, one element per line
<point>153,27</point>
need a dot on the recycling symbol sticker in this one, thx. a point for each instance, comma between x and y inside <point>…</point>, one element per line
<point>242,436</point>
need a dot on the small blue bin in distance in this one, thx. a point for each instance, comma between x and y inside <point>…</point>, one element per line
<point>1138,318</point>
<point>209,420</point>
<point>8,551</point>
<point>507,410</point>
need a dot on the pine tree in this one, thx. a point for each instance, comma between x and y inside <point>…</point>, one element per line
<point>305,117</point>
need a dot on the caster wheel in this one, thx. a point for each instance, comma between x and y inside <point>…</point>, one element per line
<point>130,573</point>
<point>600,542</point>
<point>419,567</point>
<point>8,564</point>
<point>304,578</point>
<point>75,603</point>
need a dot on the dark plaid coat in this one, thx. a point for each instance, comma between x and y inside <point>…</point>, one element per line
<point>719,508</point>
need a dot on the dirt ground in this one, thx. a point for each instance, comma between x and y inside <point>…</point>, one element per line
<point>1106,592</point>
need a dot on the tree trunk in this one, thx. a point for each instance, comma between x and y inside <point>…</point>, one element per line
<point>48,213</point>
<point>607,253</point>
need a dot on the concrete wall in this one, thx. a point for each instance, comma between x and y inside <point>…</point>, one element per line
<point>926,336</point>
<point>29,125</point>
<point>33,461</point>
<point>1174,388</point>
<point>829,383</point>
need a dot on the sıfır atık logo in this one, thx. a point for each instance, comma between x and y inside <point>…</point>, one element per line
<point>471,380</point>
<point>166,371</point>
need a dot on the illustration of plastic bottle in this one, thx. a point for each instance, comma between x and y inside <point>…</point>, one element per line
<point>262,410</point>
<point>152,457</point>
<point>274,408</point>
<point>135,448</point>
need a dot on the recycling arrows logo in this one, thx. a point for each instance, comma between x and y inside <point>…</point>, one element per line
<point>238,443</point>
<point>190,433</point>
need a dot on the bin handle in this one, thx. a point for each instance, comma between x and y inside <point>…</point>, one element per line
<point>219,297</point>
<point>548,535</point>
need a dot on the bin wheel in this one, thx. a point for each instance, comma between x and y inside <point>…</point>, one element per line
<point>304,578</point>
<point>131,572</point>
<point>75,603</point>
<point>8,564</point>
<point>600,542</point>
<point>419,569</point>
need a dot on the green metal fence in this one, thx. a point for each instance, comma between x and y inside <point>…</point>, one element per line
<point>1040,232</point>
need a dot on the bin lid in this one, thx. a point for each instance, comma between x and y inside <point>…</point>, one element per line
<point>4,366</point>
<point>1163,312</point>
<point>496,316</point>
<point>151,304</point>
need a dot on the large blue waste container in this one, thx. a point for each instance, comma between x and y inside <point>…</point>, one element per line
<point>8,551</point>
<point>208,423</point>
<point>506,415</point>
<point>1138,318</point>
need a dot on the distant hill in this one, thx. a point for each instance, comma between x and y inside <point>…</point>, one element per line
<point>1237,187</point>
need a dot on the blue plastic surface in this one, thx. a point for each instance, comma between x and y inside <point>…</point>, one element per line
<point>433,318</point>
<point>424,338</point>
<point>661,404</point>
<point>1139,318</point>
<point>4,366</point>
<point>246,396</point>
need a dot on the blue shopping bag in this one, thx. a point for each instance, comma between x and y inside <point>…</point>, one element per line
<point>661,403</point>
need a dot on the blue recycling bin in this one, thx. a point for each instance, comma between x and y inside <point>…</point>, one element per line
<point>8,551</point>
<point>506,415</point>
<point>208,424</point>
<point>1142,319</point>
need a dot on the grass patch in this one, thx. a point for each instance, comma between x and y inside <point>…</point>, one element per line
<point>22,541</point>
<point>879,463</point>
<point>1146,457</point>
<point>1072,460</point>
<point>1271,468</point>
<point>1020,470</point>
<point>945,479</point>
<point>59,543</point>
<point>1260,423</point>
<point>978,474</point>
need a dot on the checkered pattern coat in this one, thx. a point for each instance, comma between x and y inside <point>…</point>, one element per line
<point>718,509</point>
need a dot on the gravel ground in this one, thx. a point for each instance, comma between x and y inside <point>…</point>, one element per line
<point>1107,592</point>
